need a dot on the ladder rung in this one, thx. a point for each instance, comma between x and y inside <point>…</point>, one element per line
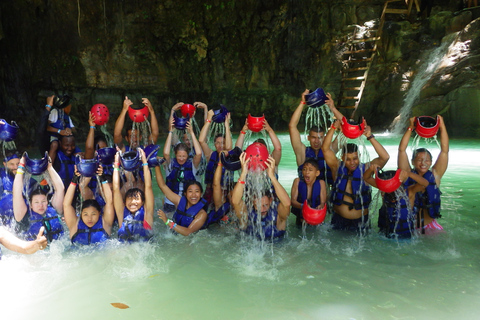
<point>365,40</point>
<point>357,60</point>
<point>349,98</point>
<point>358,51</point>
<point>397,11</point>
<point>351,89</point>
<point>354,78</point>
<point>355,69</point>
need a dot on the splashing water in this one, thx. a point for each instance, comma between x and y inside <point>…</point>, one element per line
<point>7,145</point>
<point>320,117</point>
<point>108,135</point>
<point>141,131</point>
<point>424,74</point>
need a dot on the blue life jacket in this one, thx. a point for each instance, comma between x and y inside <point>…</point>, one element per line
<point>184,217</point>
<point>65,166</point>
<point>395,217</point>
<point>50,220</point>
<point>180,174</point>
<point>268,225</point>
<point>132,228</point>
<point>361,192</point>
<point>302,195</point>
<point>6,197</point>
<point>322,165</point>
<point>86,235</point>
<point>215,216</point>
<point>63,120</point>
<point>211,167</point>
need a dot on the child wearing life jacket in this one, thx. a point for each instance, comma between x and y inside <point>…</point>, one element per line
<point>94,225</point>
<point>222,142</point>
<point>396,218</point>
<point>180,169</point>
<point>309,188</point>
<point>41,210</point>
<point>428,201</point>
<point>135,214</point>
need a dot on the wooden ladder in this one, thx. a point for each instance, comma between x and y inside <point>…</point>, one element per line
<point>360,53</point>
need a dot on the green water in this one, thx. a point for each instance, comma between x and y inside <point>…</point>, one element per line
<point>218,274</point>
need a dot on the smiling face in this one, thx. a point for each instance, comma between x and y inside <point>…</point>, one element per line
<point>134,202</point>
<point>67,145</point>
<point>351,161</point>
<point>181,156</point>
<point>11,166</point>
<point>315,139</point>
<point>219,144</point>
<point>90,216</point>
<point>422,162</point>
<point>39,203</point>
<point>193,194</point>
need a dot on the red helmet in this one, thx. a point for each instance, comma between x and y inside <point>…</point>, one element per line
<point>255,124</point>
<point>138,115</point>
<point>313,216</point>
<point>388,181</point>
<point>101,113</point>
<point>351,129</point>
<point>258,154</point>
<point>188,109</point>
<point>426,127</point>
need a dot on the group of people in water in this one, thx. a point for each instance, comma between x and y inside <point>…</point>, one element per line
<point>197,180</point>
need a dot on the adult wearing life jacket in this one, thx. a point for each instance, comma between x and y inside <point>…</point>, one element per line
<point>64,162</point>
<point>59,123</point>
<point>428,202</point>
<point>222,142</point>
<point>315,138</point>
<point>7,175</point>
<point>94,224</point>
<point>135,214</point>
<point>40,211</point>
<point>270,219</point>
<point>350,196</point>
<point>180,170</point>
<point>309,188</point>
<point>396,217</point>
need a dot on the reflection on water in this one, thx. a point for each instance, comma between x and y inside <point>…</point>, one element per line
<point>220,274</point>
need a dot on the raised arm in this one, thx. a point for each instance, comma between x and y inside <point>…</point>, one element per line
<point>202,139</point>
<point>368,175</point>
<point>149,199</point>
<point>218,196</point>
<point>383,155</point>
<point>197,158</point>
<point>441,164</point>
<point>295,138</point>
<point>59,194</point>
<point>108,209</point>
<point>169,194</point>
<point>89,143</point>
<point>19,206</point>
<point>331,105</point>
<point>228,133</point>
<point>237,194</point>
<point>277,146</point>
<point>201,105</point>
<point>282,195</point>
<point>328,153</point>
<point>402,160</point>
<point>153,121</point>
<point>68,210</point>
<point>117,131</point>
<point>241,136</point>
<point>118,202</point>
<point>168,143</point>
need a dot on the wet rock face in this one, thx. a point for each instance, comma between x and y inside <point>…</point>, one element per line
<point>253,56</point>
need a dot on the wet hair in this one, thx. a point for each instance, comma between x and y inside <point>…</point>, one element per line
<point>134,192</point>
<point>91,203</point>
<point>37,191</point>
<point>267,193</point>
<point>181,147</point>
<point>420,150</point>
<point>260,141</point>
<point>10,154</point>
<point>316,129</point>
<point>349,148</point>
<point>312,162</point>
<point>65,137</point>
<point>192,182</point>
<point>98,139</point>
<point>218,135</point>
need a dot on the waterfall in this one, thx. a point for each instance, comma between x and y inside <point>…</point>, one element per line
<point>427,69</point>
